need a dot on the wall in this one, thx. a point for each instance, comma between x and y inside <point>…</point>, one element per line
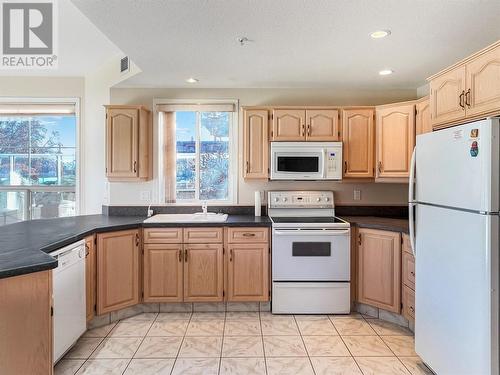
<point>371,193</point>
<point>97,93</point>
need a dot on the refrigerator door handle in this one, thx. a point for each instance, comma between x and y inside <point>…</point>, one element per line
<point>411,204</point>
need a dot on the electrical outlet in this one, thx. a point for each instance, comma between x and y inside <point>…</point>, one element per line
<point>357,195</point>
<point>145,196</point>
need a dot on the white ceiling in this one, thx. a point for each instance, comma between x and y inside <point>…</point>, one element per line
<point>296,43</point>
<point>82,46</point>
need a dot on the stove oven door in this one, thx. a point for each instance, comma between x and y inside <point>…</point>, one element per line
<point>311,254</point>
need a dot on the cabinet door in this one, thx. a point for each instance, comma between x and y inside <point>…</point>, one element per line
<point>395,140</point>
<point>447,96</point>
<point>203,273</point>
<point>122,126</point>
<point>322,125</point>
<point>117,270</point>
<point>379,269</point>
<point>408,302</point>
<point>90,276</point>
<point>423,117</point>
<point>255,144</point>
<point>289,125</point>
<point>358,138</point>
<point>163,273</point>
<point>483,83</point>
<point>248,272</point>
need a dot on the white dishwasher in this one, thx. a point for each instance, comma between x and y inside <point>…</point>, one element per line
<point>69,297</point>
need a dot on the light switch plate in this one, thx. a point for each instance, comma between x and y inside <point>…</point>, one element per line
<point>357,195</point>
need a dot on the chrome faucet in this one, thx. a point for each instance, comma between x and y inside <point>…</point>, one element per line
<point>204,207</point>
<point>150,211</point>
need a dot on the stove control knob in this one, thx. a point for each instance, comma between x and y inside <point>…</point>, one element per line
<point>318,199</point>
<point>277,199</point>
<point>284,199</point>
<point>327,199</point>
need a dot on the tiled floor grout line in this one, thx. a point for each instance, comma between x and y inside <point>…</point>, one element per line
<point>262,338</point>
<point>180,346</point>
<point>352,356</point>
<point>304,343</point>
<point>143,338</point>
<point>222,343</point>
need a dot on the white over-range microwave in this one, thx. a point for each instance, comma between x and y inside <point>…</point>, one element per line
<point>306,160</point>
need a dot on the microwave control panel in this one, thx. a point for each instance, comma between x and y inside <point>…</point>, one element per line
<point>333,164</point>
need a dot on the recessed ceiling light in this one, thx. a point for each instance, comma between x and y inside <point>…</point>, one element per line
<point>386,72</point>
<point>380,34</point>
<point>192,80</point>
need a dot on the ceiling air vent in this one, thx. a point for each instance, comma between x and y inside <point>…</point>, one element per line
<point>124,64</point>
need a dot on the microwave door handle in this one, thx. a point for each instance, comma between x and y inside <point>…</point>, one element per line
<point>324,163</point>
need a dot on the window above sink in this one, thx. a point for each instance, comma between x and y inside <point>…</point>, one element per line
<point>200,152</point>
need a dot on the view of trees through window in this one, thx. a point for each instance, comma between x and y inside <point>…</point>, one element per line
<point>37,166</point>
<point>202,155</point>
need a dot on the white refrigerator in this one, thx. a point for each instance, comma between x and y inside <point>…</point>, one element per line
<point>454,233</point>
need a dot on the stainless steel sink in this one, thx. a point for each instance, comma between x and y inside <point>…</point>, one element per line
<point>199,217</point>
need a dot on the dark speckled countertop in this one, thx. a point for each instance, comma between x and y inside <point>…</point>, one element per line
<point>25,246</point>
<point>382,223</point>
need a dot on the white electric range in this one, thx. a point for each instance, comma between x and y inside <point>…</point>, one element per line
<point>311,256</point>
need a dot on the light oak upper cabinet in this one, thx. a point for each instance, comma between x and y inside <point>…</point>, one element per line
<point>117,270</point>
<point>395,140</point>
<point>423,116</point>
<point>255,144</point>
<point>468,90</point>
<point>322,125</point>
<point>248,264</point>
<point>447,96</point>
<point>359,142</point>
<point>163,273</point>
<point>203,272</point>
<point>90,276</point>
<point>483,83</point>
<point>289,125</point>
<point>128,143</point>
<point>379,269</point>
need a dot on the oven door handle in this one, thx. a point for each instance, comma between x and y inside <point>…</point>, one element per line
<point>294,232</point>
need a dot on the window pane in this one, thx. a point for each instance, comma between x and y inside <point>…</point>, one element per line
<point>53,131</point>
<point>14,134</point>
<point>45,205</point>
<point>12,206</point>
<point>185,134</point>
<point>214,155</point>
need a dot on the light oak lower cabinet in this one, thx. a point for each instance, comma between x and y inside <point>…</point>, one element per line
<point>118,255</point>
<point>379,269</point>
<point>203,272</point>
<point>26,342</point>
<point>90,276</point>
<point>163,273</point>
<point>408,280</point>
<point>248,272</point>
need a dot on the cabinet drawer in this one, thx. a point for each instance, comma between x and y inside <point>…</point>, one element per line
<point>163,235</point>
<point>239,235</point>
<point>203,235</point>
<point>408,303</point>
<point>408,270</point>
<point>406,244</point>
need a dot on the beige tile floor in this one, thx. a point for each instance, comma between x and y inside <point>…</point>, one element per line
<point>243,343</point>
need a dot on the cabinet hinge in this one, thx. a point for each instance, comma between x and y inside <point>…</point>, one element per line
<point>359,239</point>
<point>269,292</point>
<point>402,240</point>
<point>51,310</point>
<point>95,307</point>
<point>416,111</point>
<point>95,240</point>
<point>142,294</point>
<point>223,251</point>
<point>272,116</point>
<point>339,114</point>
<point>223,293</point>
<point>269,250</point>
<point>272,134</point>
<point>338,134</point>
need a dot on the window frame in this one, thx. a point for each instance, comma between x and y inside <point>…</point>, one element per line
<point>29,189</point>
<point>159,125</point>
